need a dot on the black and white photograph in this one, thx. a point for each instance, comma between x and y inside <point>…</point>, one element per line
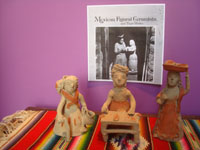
<point>128,46</point>
<point>133,38</point>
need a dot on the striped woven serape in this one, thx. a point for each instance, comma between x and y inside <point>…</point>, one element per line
<point>37,133</point>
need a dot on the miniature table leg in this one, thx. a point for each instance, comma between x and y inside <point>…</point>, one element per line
<point>105,137</point>
<point>136,138</point>
<point>104,134</point>
<point>137,133</point>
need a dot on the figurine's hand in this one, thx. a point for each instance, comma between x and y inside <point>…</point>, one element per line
<point>137,116</point>
<point>104,109</point>
<point>163,96</point>
<point>61,118</point>
<point>131,112</point>
<point>84,108</point>
<point>159,101</point>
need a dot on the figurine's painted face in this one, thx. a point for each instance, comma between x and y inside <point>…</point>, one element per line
<point>71,84</point>
<point>119,79</point>
<point>173,79</point>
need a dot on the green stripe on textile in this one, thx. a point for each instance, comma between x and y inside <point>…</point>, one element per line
<point>54,139</point>
<point>191,135</point>
<point>195,126</point>
<point>176,145</point>
<point>85,138</point>
<point>79,143</point>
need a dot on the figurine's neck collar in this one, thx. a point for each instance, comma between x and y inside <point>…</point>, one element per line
<point>69,96</point>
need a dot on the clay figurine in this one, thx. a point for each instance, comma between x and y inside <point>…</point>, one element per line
<point>119,109</point>
<point>119,97</point>
<point>71,118</point>
<point>169,123</point>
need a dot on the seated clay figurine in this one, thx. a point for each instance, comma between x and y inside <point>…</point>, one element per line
<point>69,120</point>
<point>169,123</point>
<point>119,97</point>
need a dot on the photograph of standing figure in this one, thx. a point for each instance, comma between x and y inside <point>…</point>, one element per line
<point>131,35</point>
<point>127,46</point>
<point>120,49</point>
<point>133,60</point>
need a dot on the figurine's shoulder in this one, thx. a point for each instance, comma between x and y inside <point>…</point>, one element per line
<point>111,92</point>
<point>127,91</point>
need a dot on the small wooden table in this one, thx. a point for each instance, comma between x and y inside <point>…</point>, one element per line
<point>119,122</point>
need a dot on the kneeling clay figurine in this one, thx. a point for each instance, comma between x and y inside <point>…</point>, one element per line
<point>119,107</point>
<point>71,118</point>
<point>119,97</point>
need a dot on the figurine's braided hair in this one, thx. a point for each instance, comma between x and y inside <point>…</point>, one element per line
<point>66,79</point>
<point>120,68</point>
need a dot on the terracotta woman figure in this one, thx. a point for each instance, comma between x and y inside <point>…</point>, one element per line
<point>119,98</point>
<point>69,120</point>
<point>169,123</point>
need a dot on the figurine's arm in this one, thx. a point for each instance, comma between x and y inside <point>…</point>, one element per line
<point>82,101</point>
<point>133,103</point>
<point>60,108</point>
<point>187,82</point>
<point>107,103</point>
<point>161,97</point>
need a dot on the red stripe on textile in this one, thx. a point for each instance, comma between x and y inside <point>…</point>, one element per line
<point>35,132</point>
<point>43,136</point>
<point>158,144</point>
<point>192,136</point>
<point>144,132</point>
<point>97,141</point>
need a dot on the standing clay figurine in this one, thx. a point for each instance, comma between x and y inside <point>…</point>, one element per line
<point>69,120</point>
<point>169,123</point>
<point>118,97</point>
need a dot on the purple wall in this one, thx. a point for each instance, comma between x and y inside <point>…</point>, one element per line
<point>42,40</point>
